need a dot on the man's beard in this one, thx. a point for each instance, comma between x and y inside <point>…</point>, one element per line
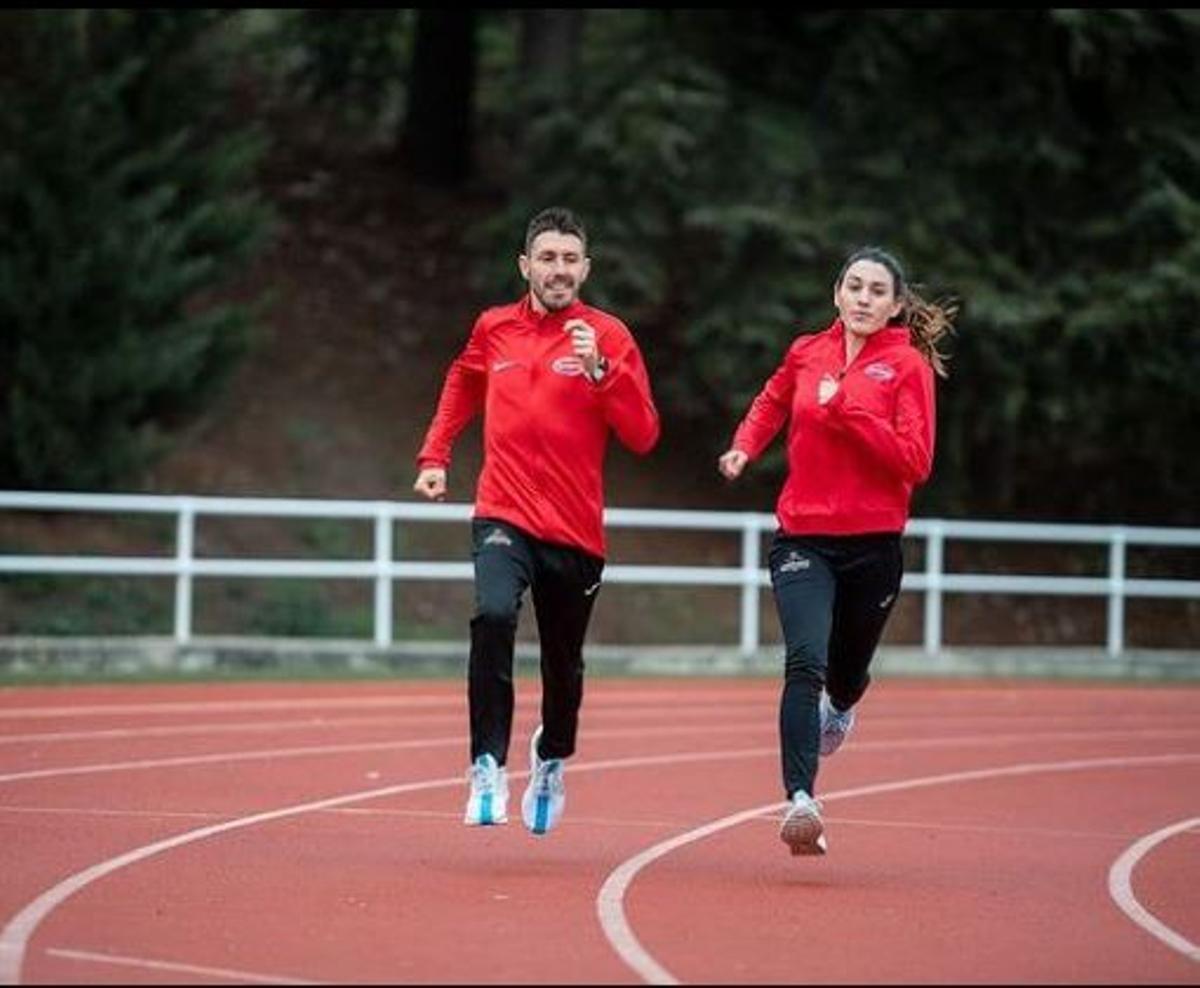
<point>553,306</point>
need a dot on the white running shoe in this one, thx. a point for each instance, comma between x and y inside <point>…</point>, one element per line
<point>488,802</point>
<point>802,828</point>
<point>835,725</point>
<point>545,796</point>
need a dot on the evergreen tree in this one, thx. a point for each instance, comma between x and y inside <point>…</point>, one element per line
<point>123,197</point>
<point>1042,166</point>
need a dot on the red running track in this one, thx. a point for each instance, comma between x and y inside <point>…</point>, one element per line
<point>311,833</point>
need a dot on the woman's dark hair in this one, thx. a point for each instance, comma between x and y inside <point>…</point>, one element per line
<point>928,321</point>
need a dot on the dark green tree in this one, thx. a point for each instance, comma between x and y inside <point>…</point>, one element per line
<point>1047,165</point>
<point>1043,166</point>
<point>125,196</point>
<point>351,61</point>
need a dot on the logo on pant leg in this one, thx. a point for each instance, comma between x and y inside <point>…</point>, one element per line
<point>497,536</point>
<point>592,589</point>
<point>794,562</point>
<point>886,600</point>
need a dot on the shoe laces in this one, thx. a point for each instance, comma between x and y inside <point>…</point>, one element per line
<point>484,778</point>
<point>548,776</point>
<point>839,720</point>
<point>804,804</point>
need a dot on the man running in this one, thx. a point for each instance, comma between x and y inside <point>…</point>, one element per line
<point>553,376</point>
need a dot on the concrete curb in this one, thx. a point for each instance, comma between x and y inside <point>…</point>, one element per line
<point>45,657</point>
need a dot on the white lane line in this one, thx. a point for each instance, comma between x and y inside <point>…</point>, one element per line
<point>14,938</point>
<point>152,965</point>
<point>1036,737</point>
<point>632,713</point>
<point>233,756</point>
<point>610,902</point>
<point>1120,887</point>
<point>452,698</point>
<point>87,811</point>
<point>228,706</point>
<point>573,820</point>
<point>222,727</point>
<point>972,828</point>
<point>404,720</point>
<point>341,749</point>
<point>604,733</point>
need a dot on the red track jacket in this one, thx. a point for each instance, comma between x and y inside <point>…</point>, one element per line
<point>545,425</point>
<point>853,462</point>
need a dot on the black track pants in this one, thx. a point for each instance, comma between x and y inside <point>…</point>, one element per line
<point>833,594</point>
<point>565,582</point>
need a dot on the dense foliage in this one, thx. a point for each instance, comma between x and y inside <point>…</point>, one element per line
<point>1043,166</point>
<point>122,198</point>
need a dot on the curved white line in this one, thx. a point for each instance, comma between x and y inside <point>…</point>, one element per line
<point>450,698</point>
<point>342,749</point>
<point>614,732</point>
<point>15,936</point>
<point>207,728</point>
<point>610,900</point>
<point>1120,887</point>
<point>222,757</point>
<point>612,914</point>
<point>632,713</point>
<point>227,706</point>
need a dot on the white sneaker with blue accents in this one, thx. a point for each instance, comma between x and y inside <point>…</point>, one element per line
<point>802,828</point>
<point>545,796</point>
<point>488,802</point>
<point>835,725</point>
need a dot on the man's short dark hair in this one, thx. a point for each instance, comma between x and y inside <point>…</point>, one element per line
<point>558,219</point>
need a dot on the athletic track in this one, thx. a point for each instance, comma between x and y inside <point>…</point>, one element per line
<point>311,833</point>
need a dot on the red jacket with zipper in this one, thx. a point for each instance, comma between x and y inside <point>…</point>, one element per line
<point>545,423</point>
<point>853,462</point>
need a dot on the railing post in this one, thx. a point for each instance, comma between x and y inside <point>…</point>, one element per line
<point>750,597</point>
<point>1116,593</point>
<point>933,588</point>
<point>185,539</point>
<point>383,576</point>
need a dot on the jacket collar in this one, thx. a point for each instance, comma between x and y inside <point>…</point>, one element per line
<point>525,309</point>
<point>887,336</point>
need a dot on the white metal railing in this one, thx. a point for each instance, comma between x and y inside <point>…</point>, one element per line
<point>750,576</point>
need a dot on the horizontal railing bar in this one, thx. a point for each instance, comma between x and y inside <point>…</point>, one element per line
<point>717,576</point>
<point>732,521</point>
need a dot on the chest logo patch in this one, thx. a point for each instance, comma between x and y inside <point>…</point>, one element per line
<point>567,366</point>
<point>879,371</point>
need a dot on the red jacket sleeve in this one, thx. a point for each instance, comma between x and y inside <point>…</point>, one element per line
<point>905,443</point>
<point>461,399</point>
<point>768,412</point>
<point>626,397</point>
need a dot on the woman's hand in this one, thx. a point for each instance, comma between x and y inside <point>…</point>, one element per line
<point>826,389</point>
